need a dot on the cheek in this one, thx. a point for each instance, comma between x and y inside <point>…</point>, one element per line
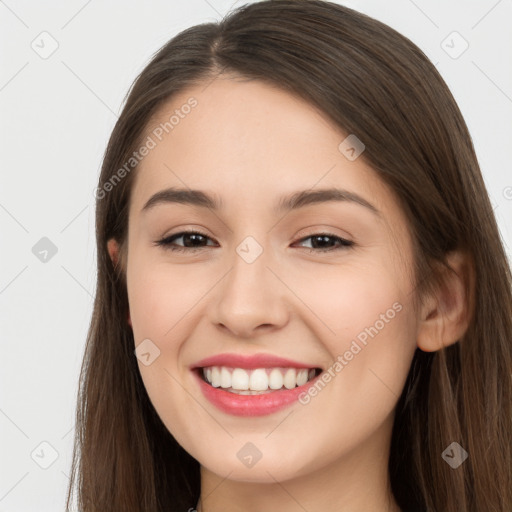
<point>159,297</point>
<point>349,298</point>
<point>159,301</point>
<point>163,302</point>
<point>367,324</point>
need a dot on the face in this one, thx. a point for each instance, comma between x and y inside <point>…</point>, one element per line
<point>269,292</point>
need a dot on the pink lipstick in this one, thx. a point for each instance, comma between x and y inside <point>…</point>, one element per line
<point>254,385</point>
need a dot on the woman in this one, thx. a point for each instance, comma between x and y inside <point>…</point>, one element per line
<point>303,302</point>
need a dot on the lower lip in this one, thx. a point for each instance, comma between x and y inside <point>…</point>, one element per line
<point>251,405</point>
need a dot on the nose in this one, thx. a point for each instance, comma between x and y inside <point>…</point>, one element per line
<point>250,300</point>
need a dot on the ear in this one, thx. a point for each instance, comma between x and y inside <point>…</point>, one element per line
<point>445,316</point>
<point>113,251</point>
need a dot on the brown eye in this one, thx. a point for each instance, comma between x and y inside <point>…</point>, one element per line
<point>194,240</point>
<point>191,240</point>
<point>323,242</point>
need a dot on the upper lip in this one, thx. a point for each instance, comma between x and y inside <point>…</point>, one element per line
<point>250,361</point>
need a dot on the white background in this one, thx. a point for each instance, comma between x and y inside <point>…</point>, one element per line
<point>55,119</point>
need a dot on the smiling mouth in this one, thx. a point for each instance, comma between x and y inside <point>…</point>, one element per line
<point>258,381</point>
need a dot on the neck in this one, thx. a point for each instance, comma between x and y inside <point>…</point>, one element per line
<point>357,482</point>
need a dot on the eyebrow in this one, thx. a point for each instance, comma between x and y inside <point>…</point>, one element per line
<point>294,201</point>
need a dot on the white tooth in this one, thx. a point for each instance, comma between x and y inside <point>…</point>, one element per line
<point>225,378</point>
<point>248,392</point>
<point>290,378</point>
<point>311,374</point>
<point>275,379</point>
<point>239,379</point>
<point>259,380</point>
<point>302,377</point>
<point>209,375</point>
<point>215,377</point>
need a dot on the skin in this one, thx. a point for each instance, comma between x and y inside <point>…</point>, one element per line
<point>249,144</point>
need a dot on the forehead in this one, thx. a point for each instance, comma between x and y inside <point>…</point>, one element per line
<point>247,140</point>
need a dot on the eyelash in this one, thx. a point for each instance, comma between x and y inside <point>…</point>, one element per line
<point>166,243</point>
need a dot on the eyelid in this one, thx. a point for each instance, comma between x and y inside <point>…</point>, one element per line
<point>189,228</point>
<point>323,229</point>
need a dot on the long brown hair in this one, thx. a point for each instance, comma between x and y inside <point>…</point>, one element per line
<point>377,84</point>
